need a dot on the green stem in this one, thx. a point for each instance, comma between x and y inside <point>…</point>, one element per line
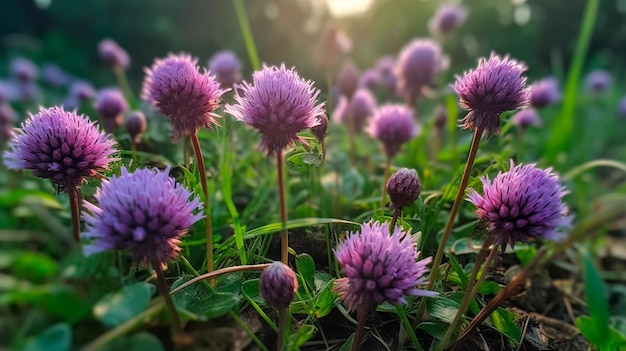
<point>248,331</point>
<point>396,213</point>
<point>122,82</point>
<point>207,200</point>
<point>282,325</point>
<point>75,209</point>
<point>165,292</point>
<point>478,132</point>
<point>284,235</point>
<point>244,26</point>
<point>386,178</point>
<point>407,326</point>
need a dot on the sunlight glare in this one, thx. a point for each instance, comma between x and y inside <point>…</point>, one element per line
<point>343,8</point>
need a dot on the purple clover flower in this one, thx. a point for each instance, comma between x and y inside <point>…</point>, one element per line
<point>112,54</point>
<point>527,117</point>
<point>403,187</point>
<point>135,125</point>
<point>181,92</point>
<point>24,70</point>
<point>111,105</point>
<point>279,104</point>
<point>386,67</point>
<point>278,285</point>
<point>545,92</point>
<point>321,129</point>
<point>522,204</point>
<point>599,81</point>
<point>359,109</point>
<point>379,266</point>
<point>495,86</point>
<point>145,211</point>
<point>446,19</point>
<point>82,90</point>
<point>62,146</point>
<point>417,67</point>
<point>370,78</point>
<point>393,125</point>
<point>226,67</point>
<point>348,79</point>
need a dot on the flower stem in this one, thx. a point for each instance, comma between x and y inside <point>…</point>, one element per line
<point>351,136</point>
<point>165,292</point>
<point>282,325</point>
<point>384,195</point>
<point>472,287</point>
<point>217,273</point>
<point>396,213</point>
<point>133,150</point>
<point>186,152</point>
<point>360,331</point>
<point>284,237</point>
<point>122,82</point>
<point>75,209</point>
<point>478,132</point>
<point>207,201</point>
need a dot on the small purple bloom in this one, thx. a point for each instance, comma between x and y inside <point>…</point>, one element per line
<point>356,110</point>
<point>184,94</point>
<point>417,67</point>
<point>386,66</point>
<point>145,212</point>
<point>226,67</point>
<point>24,70</point>
<point>55,75</point>
<point>599,81</point>
<point>441,118</point>
<point>379,266</point>
<point>279,104</point>
<point>278,285</point>
<point>495,86</point>
<point>545,92</point>
<point>111,105</point>
<point>448,18</point>
<point>394,125</point>
<point>136,124</point>
<point>82,90</point>
<point>321,129</point>
<point>403,187</point>
<point>60,145</point>
<point>348,79</point>
<point>522,204</point>
<point>112,54</point>
<point>370,78</point>
<point>526,118</point>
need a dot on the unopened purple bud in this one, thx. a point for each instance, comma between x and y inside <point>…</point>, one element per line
<point>441,117</point>
<point>545,92</point>
<point>82,90</point>
<point>320,130</point>
<point>135,125</point>
<point>599,81</point>
<point>526,118</point>
<point>403,187</point>
<point>111,105</point>
<point>24,70</point>
<point>348,79</point>
<point>447,18</point>
<point>226,67</point>
<point>278,285</point>
<point>112,54</point>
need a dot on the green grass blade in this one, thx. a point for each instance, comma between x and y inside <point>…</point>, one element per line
<point>244,25</point>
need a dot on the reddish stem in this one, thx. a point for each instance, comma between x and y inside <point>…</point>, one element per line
<point>284,235</point>
<point>207,200</point>
<point>75,209</point>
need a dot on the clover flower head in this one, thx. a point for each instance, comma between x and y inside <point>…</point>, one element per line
<point>176,87</point>
<point>357,110</point>
<point>527,117</point>
<point>599,81</point>
<point>24,70</point>
<point>379,266</point>
<point>112,54</point>
<point>279,104</point>
<point>403,187</point>
<point>417,66</point>
<point>226,67</point>
<point>145,212</point>
<point>135,125</point>
<point>393,125</point>
<point>348,79</point>
<point>495,86</point>
<point>545,92</point>
<point>60,145</point>
<point>446,19</point>
<point>278,285</point>
<point>111,105</point>
<point>521,204</point>
<point>82,90</point>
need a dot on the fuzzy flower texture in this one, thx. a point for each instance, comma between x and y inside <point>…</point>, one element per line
<point>145,212</point>
<point>60,145</point>
<point>278,285</point>
<point>181,92</point>
<point>495,86</point>
<point>279,104</point>
<point>379,266</point>
<point>522,204</point>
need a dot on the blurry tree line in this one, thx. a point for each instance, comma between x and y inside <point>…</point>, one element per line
<point>67,32</point>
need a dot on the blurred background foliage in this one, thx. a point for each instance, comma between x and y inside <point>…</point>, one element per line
<point>539,32</point>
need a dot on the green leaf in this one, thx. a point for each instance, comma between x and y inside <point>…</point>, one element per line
<point>292,224</point>
<point>22,196</point>
<point>325,300</point>
<point>596,300</point>
<point>460,274</point>
<point>139,342</point>
<point>116,308</point>
<point>302,335</point>
<point>200,303</point>
<point>250,288</point>
<point>442,308</point>
<point>55,338</point>
<point>34,266</point>
<point>306,267</point>
<point>436,329</point>
<point>504,322</point>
